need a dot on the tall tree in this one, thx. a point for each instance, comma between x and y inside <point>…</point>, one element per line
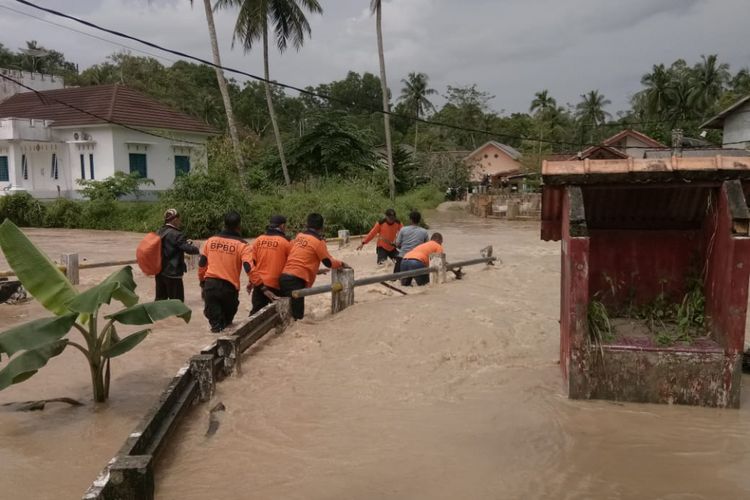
<point>414,96</point>
<point>590,111</point>
<point>708,79</point>
<point>224,89</point>
<point>289,25</point>
<point>541,106</point>
<point>376,7</point>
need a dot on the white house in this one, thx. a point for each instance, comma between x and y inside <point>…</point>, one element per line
<point>50,139</point>
<point>735,121</point>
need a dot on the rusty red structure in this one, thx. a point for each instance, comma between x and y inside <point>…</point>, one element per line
<point>633,231</point>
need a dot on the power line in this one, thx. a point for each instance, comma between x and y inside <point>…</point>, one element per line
<point>44,97</point>
<point>91,35</point>
<point>307,91</point>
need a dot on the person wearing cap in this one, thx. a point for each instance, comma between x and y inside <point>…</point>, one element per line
<point>385,230</point>
<point>269,254</point>
<point>419,258</point>
<point>308,250</point>
<point>223,258</point>
<point>174,246</point>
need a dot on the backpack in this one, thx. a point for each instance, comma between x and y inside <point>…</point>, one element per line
<point>148,254</point>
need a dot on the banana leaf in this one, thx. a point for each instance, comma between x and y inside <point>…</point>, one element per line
<point>150,312</point>
<point>28,363</point>
<point>38,274</point>
<point>35,334</point>
<point>126,344</point>
<point>119,286</point>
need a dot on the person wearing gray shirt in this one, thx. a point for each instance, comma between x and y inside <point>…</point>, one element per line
<point>410,237</point>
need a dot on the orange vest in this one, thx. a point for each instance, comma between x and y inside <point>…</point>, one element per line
<point>222,257</point>
<point>422,252</point>
<point>270,252</point>
<point>308,250</point>
<point>386,234</point>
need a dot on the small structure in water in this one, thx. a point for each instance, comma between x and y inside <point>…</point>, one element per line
<point>654,285</point>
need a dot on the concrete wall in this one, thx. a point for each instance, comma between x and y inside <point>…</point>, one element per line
<point>36,81</point>
<point>108,146</point>
<point>159,153</point>
<point>737,128</point>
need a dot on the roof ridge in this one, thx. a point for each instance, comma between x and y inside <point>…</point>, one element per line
<point>112,103</point>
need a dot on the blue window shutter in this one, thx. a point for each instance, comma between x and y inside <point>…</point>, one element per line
<point>91,165</point>
<point>4,172</point>
<point>83,168</point>
<point>55,173</point>
<point>181,165</point>
<point>25,167</point>
<point>138,164</point>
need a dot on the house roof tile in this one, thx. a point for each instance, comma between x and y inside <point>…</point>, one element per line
<point>108,103</point>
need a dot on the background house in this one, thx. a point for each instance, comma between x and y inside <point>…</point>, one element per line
<point>493,159</point>
<point>735,121</point>
<point>46,146</point>
<point>627,143</point>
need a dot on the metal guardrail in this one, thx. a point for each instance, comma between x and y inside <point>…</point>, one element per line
<point>372,280</point>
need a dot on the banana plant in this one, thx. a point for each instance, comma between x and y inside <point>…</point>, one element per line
<point>30,345</point>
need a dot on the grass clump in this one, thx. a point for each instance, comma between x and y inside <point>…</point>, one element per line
<point>600,327</point>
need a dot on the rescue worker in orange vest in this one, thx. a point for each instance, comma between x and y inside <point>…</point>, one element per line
<point>309,249</point>
<point>419,258</point>
<point>223,258</point>
<point>386,230</point>
<point>269,254</point>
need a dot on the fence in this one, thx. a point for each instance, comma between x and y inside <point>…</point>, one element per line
<point>130,474</point>
<point>511,206</point>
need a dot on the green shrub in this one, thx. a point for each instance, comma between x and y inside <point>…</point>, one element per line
<point>64,213</point>
<point>23,209</point>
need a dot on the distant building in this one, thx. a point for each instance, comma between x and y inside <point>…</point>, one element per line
<point>46,146</point>
<point>735,122</point>
<point>628,143</point>
<point>36,81</point>
<point>493,159</point>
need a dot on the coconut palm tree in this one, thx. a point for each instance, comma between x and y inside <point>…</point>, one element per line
<point>224,89</point>
<point>414,96</point>
<point>376,7</point>
<point>707,83</point>
<point>590,111</point>
<point>289,24</point>
<point>541,106</point>
<point>656,97</point>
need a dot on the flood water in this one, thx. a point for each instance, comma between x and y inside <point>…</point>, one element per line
<point>449,392</point>
<point>452,392</point>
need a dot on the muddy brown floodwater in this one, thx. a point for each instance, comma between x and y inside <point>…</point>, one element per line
<point>452,392</point>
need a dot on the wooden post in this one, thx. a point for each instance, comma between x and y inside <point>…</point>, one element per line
<point>132,477</point>
<point>202,368</point>
<point>437,262</point>
<point>340,300</point>
<point>70,262</point>
<point>343,237</point>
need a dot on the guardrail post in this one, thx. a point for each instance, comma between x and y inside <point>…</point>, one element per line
<point>228,348</point>
<point>202,368</point>
<point>343,237</point>
<point>344,298</point>
<point>284,309</point>
<point>132,477</point>
<point>70,262</point>
<point>439,266</point>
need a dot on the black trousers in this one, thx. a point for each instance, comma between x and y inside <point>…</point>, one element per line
<point>220,303</point>
<point>260,300</point>
<point>169,288</point>
<point>289,284</point>
<point>384,254</point>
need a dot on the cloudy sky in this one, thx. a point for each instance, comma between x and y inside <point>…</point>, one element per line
<point>510,48</point>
